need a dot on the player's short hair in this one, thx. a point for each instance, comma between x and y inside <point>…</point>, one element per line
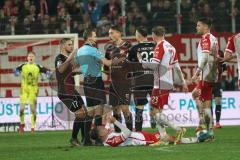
<point>116,28</point>
<point>142,30</point>
<point>64,40</point>
<point>158,31</point>
<point>87,33</point>
<point>205,20</point>
<point>31,52</point>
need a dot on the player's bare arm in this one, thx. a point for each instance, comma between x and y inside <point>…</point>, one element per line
<point>180,75</point>
<point>200,68</point>
<point>62,67</point>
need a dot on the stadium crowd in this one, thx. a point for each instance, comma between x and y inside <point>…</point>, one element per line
<point>64,16</point>
<point>74,16</point>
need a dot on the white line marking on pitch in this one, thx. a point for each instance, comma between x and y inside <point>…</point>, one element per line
<point>165,149</point>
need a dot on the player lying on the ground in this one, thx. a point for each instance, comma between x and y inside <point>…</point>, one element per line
<point>130,138</point>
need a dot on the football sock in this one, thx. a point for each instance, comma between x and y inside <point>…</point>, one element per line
<point>162,120</point>
<point>87,128</point>
<point>162,132</point>
<point>128,121</point>
<point>218,112</point>
<point>189,140</point>
<point>208,118</point>
<point>138,120</point>
<point>76,128</point>
<point>81,123</point>
<point>33,120</point>
<point>21,117</point>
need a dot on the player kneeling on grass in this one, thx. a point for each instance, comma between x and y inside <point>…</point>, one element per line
<point>130,138</point>
<point>29,87</point>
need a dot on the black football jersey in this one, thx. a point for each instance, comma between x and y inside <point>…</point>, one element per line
<point>146,49</point>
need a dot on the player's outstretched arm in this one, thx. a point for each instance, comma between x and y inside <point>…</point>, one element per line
<point>125,131</point>
<point>153,65</point>
<point>16,71</point>
<point>44,70</point>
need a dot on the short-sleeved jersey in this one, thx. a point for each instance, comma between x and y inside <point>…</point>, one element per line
<point>65,80</point>
<point>208,44</point>
<point>30,73</point>
<point>233,46</point>
<point>89,60</point>
<point>164,53</point>
<point>135,139</point>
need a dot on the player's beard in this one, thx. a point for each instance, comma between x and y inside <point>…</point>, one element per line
<point>69,52</point>
<point>199,32</point>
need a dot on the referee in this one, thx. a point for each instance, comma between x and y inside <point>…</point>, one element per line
<point>90,61</point>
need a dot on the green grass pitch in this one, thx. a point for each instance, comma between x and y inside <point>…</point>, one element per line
<point>55,145</point>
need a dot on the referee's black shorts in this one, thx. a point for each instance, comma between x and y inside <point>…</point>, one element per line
<point>73,102</point>
<point>140,95</point>
<point>119,94</point>
<point>142,85</point>
<point>94,91</point>
<point>217,89</point>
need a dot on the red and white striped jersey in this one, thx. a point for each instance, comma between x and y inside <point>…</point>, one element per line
<point>164,53</point>
<point>233,46</point>
<point>208,45</point>
<point>135,139</point>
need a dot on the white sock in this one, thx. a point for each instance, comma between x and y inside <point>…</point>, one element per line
<point>162,120</point>
<point>189,140</point>
<point>208,113</point>
<point>162,132</point>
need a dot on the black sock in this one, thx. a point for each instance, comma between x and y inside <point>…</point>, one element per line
<point>138,120</point>
<point>87,128</point>
<point>82,128</point>
<point>129,122</point>
<point>76,128</point>
<point>218,112</point>
<point>98,120</point>
<point>118,118</point>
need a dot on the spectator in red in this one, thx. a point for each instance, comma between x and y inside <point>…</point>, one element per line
<point>8,8</point>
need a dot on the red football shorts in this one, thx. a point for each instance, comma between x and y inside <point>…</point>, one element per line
<point>204,90</point>
<point>151,138</point>
<point>159,98</point>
